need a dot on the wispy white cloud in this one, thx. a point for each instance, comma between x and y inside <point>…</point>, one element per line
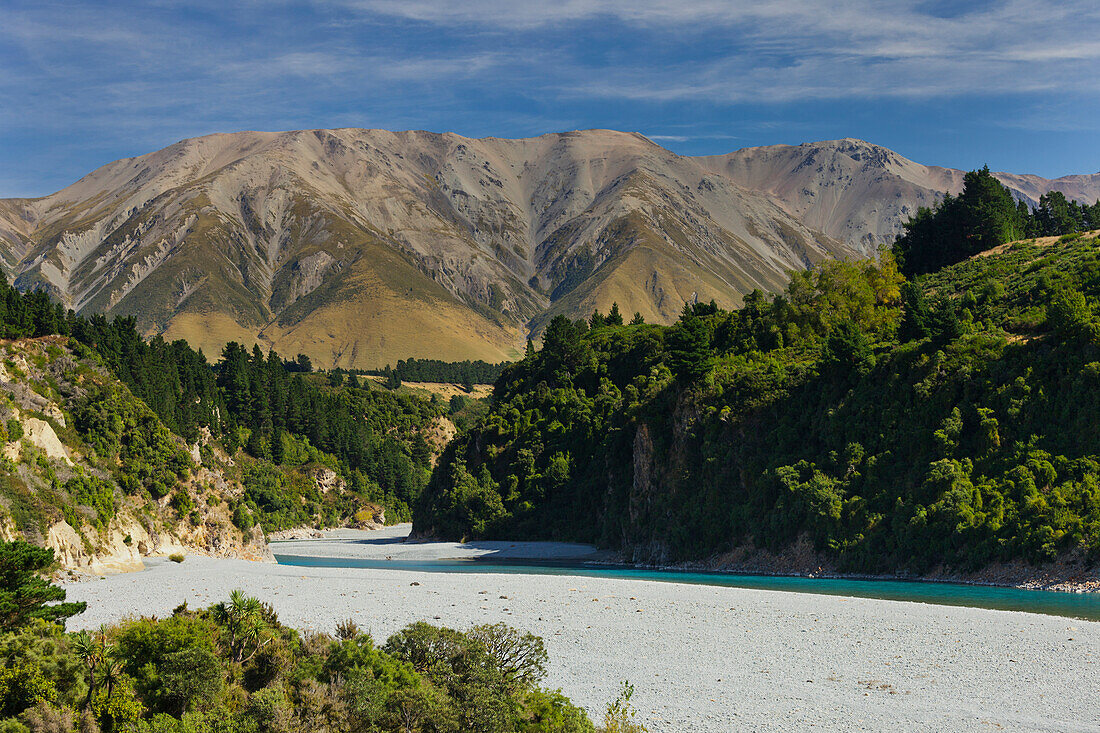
<point>823,49</point>
<point>683,138</point>
<point>88,80</point>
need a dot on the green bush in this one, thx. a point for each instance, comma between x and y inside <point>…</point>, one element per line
<point>126,435</point>
<point>182,502</point>
<point>234,667</point>
<point>242,518</point>
<point>93,492</point>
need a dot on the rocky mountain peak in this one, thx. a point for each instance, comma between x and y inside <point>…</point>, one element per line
<point>359,247</point>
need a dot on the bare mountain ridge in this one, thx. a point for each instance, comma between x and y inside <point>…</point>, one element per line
<point>359,247</point>
<point>861,193</point>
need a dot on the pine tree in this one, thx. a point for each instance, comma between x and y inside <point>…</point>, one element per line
<point>24,594</point>
<point>393,381</point>
<point>614,317</point>
<point>256,446</point>
<point>278,450</point>
<point>689,351</point>
<point>848,349</point>
<point>984,215</point>
<point>916,317</point>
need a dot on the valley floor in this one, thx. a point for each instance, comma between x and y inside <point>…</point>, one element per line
<point>701,658</point>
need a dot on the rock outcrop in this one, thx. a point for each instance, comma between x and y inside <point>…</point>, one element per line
<point>42,457</point>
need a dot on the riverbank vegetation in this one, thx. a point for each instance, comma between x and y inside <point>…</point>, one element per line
<point>234,668</point>
<point>896,425</point>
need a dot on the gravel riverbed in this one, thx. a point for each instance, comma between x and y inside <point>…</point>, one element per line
<point>701,658</point>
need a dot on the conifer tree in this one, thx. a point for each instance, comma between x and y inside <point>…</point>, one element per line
<point>614,317</point>
<point>24,594</point>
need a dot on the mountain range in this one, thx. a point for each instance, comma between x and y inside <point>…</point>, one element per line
<point>361,247</point>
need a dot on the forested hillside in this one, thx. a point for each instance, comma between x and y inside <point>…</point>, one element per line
<point>90,471</point>
<point>896,425</point>
<point>109,436</point>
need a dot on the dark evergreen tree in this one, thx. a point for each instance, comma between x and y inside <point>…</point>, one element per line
<point>848,350</point>
<point>946,325</point>
<point>278,450</point>
<point>688,343</point>
<point>916,319</point>
<point>1056,216</point>
<point>393,379</point>
<point>983,216</point>
<point>561,344</point>
<point>24,594</point>
<point>614,317</point>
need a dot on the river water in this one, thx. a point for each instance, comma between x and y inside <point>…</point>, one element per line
<point>1074,605</point>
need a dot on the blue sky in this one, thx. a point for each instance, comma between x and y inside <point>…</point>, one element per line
<point>1012,84</point>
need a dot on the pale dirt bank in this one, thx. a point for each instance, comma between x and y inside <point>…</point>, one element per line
<point>389,543</point>
<point>702,658</point>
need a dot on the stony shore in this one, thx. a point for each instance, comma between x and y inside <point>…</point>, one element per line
<point>702,658</point>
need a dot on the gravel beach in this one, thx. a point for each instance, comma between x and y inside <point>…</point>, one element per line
<point>701,658</point>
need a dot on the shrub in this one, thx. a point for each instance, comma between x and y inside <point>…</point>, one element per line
<point>95,493</point>
<point>182,501</point>
<point>177,557</point>
<point>620,714</point>
<point>242,518</point>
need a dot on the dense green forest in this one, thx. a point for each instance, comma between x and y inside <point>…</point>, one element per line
<point>434,370</point>
<point>280,413</point>
<point>233,668</point>
<point>897,425</point>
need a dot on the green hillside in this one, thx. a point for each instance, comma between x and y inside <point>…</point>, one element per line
<point>91,471</point>
<point>115,448</point>
<point>897,426</point>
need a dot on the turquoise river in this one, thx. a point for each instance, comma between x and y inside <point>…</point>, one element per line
<point>1075,605</point>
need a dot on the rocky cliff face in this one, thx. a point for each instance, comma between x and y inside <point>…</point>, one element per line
<point>56,492</point>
